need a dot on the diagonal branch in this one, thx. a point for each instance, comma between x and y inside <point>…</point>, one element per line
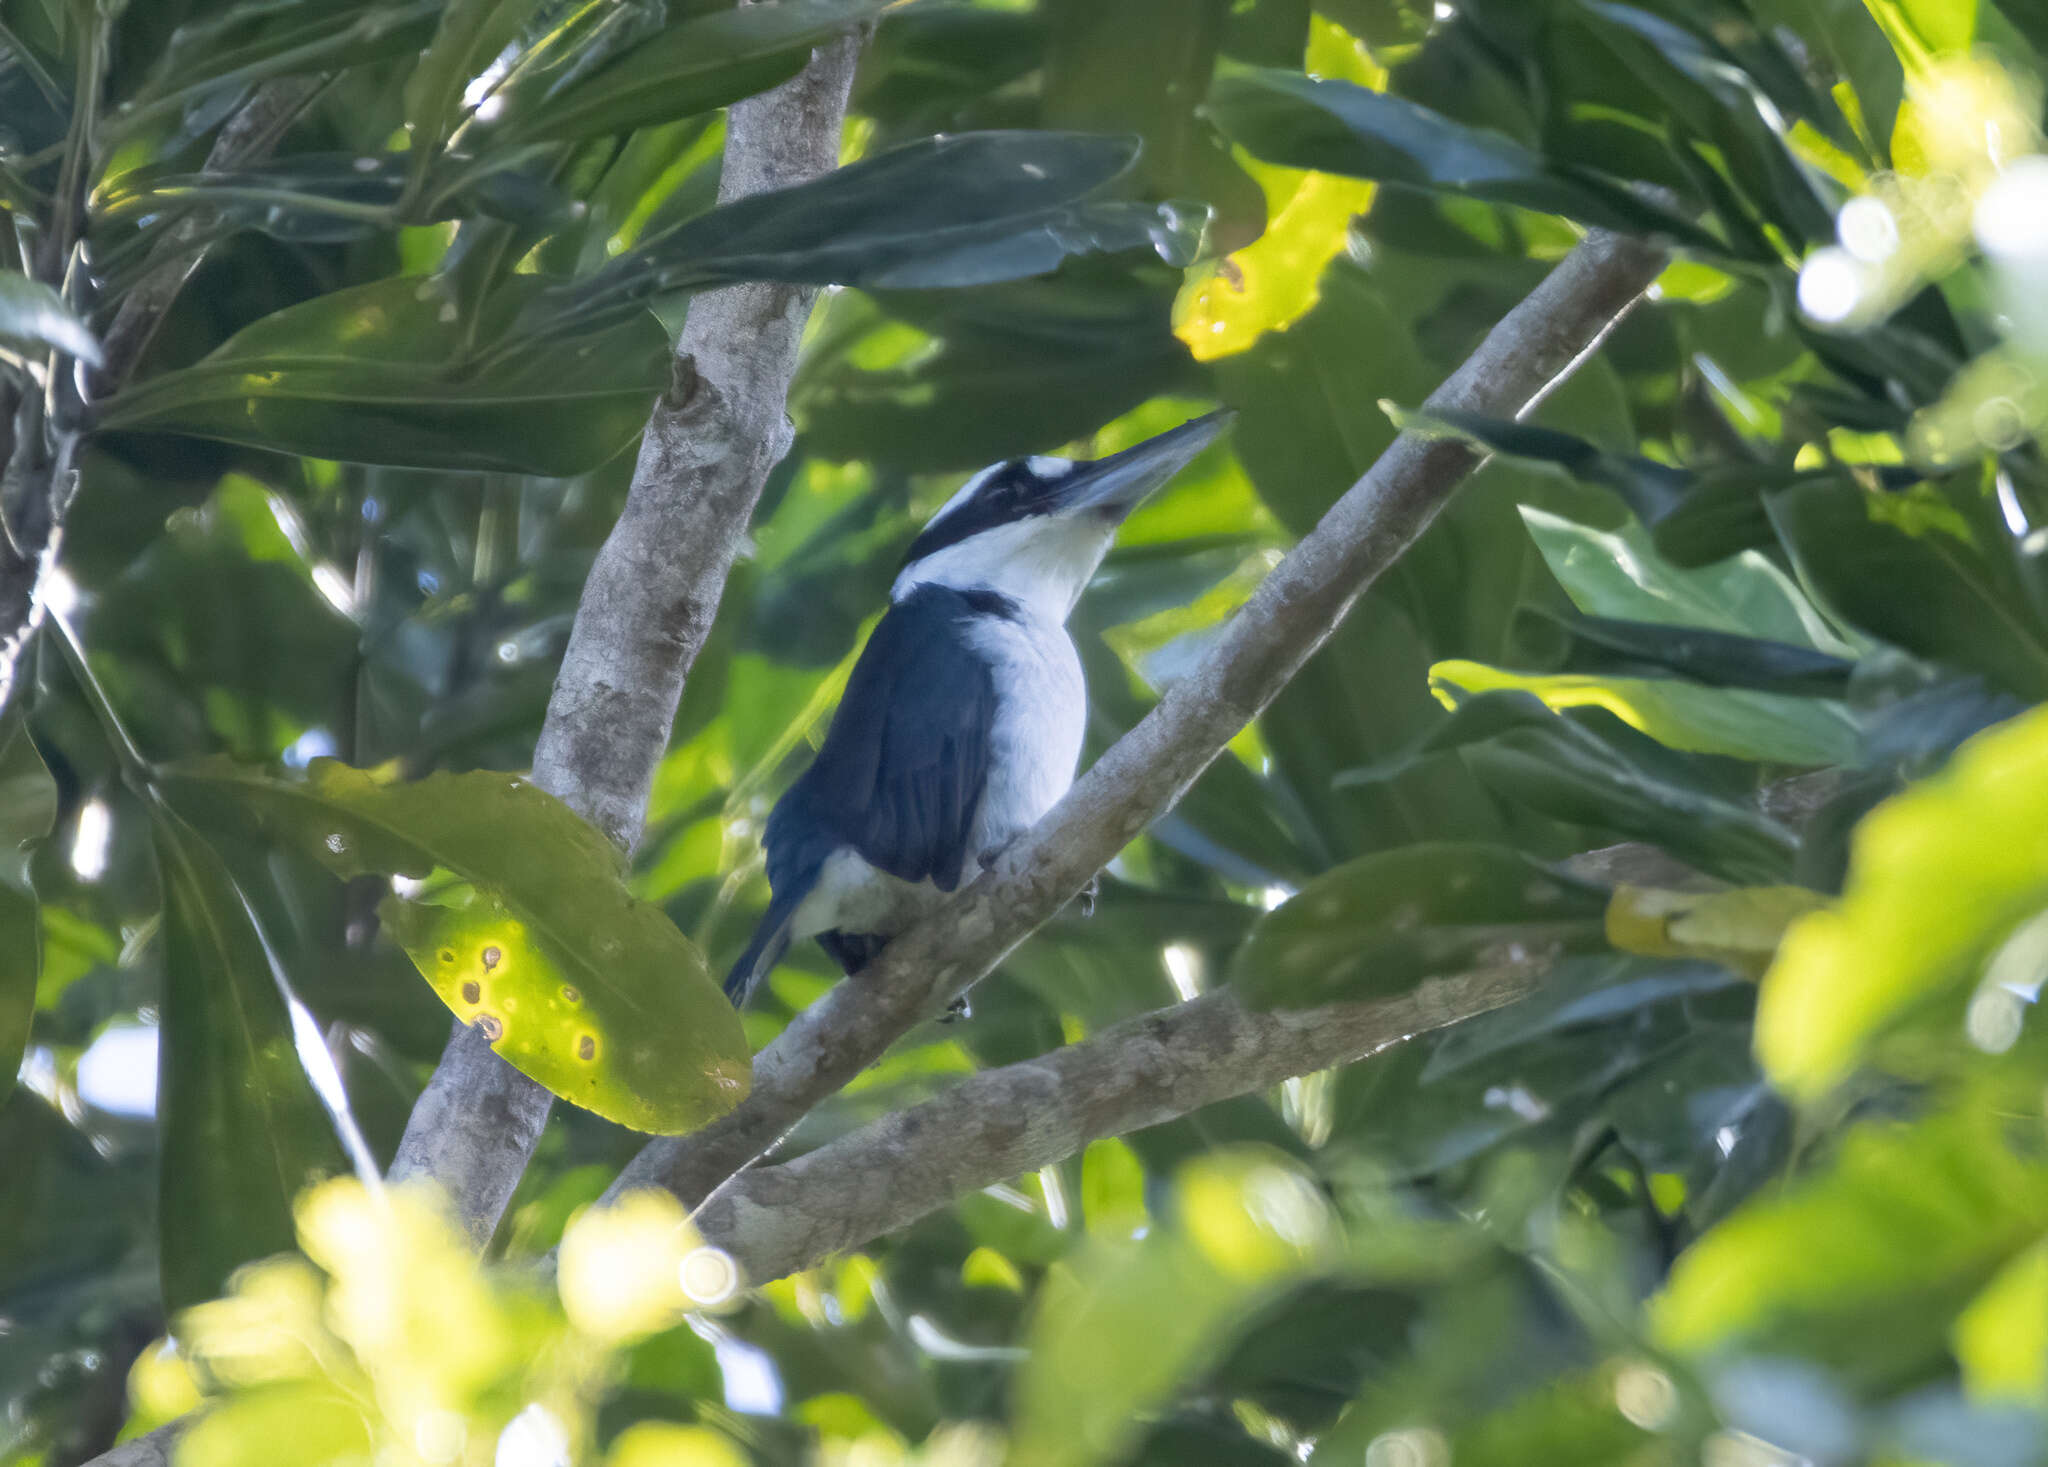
<point>1527,354</point>
<point>648,604</point>
<point>1006,1122</point>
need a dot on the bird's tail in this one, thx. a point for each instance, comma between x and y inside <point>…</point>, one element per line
<point>771,941</point>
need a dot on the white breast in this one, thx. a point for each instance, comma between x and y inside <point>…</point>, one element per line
<point>1041,715</point>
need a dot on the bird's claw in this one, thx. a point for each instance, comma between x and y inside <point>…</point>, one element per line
<point>1088,894</point>
<point>956,1011</point>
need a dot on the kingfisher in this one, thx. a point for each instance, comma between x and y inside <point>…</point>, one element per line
<point>961,724</point>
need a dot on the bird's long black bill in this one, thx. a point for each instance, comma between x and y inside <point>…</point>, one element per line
<point>1120,481</point>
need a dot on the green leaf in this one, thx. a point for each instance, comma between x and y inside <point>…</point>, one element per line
<point>1621,781</point>
<point>1601,644</point>
<point>28,809</point>
<point>1340,127</point>
<point>379,374</point>
<point>247,43</point>
<point>35,316</point>
<point>243,1129</point>
<point>1380,924</point>
<point>587,990</point>
<point>1920,30</point>
<point>469,37</point>
<point>1895,1235</point>
<point>963,209</point>
<point>703,62</point>
<point>1914,570</point>
<point>1766,727</point>
<point>1940,877</point>
<point>2001,1339</point>
<point>1741,927</point>
<point>286,1423</point>
<point>1619,574</point>
<point>1248,1222</point>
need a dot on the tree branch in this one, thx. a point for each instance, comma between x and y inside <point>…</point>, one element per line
<point>1002,1123</point>
<point>1523,358</point>
<point>648,604</point>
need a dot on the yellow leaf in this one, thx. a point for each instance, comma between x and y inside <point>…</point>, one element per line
<point>2001,1339</point>
<point>1939,877</point>
<point>1276,280</point>
<point>1740,928</point>
<point>665,1444</point>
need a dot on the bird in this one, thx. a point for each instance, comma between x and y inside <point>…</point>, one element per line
<point>962,720</point>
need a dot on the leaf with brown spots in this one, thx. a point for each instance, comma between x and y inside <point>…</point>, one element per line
<point>582,987</point>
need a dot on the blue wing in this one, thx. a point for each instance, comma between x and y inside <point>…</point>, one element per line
<point>904,764</point>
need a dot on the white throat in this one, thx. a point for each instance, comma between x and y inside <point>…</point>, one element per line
<point>1042,563</point>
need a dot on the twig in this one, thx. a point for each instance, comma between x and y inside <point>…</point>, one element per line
<point>1527,354</point>
<point>648,604</point>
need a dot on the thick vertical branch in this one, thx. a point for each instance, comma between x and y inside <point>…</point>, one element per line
<point>648,605</point>
<point>1532,349</point>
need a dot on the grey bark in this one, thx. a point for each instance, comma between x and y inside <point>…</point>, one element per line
<point>648,604</point>
<point>1001,1123</point>
<point>1523,358</point>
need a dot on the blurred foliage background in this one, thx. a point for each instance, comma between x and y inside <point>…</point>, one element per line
<point>1761,587</point>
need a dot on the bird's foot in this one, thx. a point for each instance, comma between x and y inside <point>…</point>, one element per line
<point>956,1011</point>
<point>1086,897</point>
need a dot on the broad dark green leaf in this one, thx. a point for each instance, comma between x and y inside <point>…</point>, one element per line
<point>1602,644</point>
<point>34,316</point>
<point>377,374</point>
<point>325,198</point>
<point>966,209</point>
<point>250,42</point>
<point>699,63</point>
<point>1622,781</point>
<point>28,808</point>
<point>1476,718</point>
<point>1339,127</point>
<point>1650,488</point>
<point>1382,923</point>
<point>1915,571</point>
<point>586,989</point>
<point>243,1129</point>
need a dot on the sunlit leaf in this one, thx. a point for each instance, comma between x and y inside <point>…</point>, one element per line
<point>2001,1339</point>
<point>1939,877</point>
<point>1274,281</point>
<point>586,989</point>
<point>1897,1232</point>
<point>1682,715</point>
<point>1248,1222</point>
<point>34,316</point>
<point>1380,924</point>
<point>1741,928</point>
